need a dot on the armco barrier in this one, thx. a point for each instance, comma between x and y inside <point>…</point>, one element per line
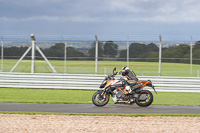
<point>91,82</point>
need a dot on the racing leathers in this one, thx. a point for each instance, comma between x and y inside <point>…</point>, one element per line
<point>130,75</point>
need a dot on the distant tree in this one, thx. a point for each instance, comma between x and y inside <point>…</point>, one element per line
<point>55,51</point>
<point>176,52</point>
<point>152,47</point>
<point>149,56</point>
<point>197,45</point>
<point>110,49</point>
<point>15,51</point>
<point>138,50</point>
<point>123,53</point>
<point>196,53</point>
<point>72,52</point>
<point>58,51</point>
<point>91,51</point>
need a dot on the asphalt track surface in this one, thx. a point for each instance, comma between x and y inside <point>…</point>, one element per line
<point>90,108</point>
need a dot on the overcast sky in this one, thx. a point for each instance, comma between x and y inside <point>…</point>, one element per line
<point>102,17</point>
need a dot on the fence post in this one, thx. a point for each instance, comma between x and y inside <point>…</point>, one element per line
<point>65,57</point>
<point>128,52</point>
<point>160,56</point>
<point>33,54</point>
<point>96,55</point>
<point>191,56</point>
<point>2,47</point>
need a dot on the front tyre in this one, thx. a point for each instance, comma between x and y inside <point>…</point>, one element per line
<point>99,100</point>
<point>144,99</point>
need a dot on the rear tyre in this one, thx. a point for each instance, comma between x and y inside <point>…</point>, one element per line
<point>144,99</point>
<point>99,100</point>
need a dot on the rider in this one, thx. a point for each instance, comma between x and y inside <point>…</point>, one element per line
<point>130,75</point>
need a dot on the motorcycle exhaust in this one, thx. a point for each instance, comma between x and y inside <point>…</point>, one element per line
<point>125,102</point>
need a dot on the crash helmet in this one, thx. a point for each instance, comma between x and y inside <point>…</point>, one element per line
<point>125,68</point>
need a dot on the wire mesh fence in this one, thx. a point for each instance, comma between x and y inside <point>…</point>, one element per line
<point>77,54</point>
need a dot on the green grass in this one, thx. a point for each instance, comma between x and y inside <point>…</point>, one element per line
<point>85,97</point>
<point>88,67</point>
<point>101,114</point>
<point>177,98</point>
<point>44,96</point>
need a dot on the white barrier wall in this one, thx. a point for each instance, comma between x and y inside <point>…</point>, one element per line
<point>91,82</point>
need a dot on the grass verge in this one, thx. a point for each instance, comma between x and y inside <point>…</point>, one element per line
<point>88,67</point>
<point>18,95</point>
<point>101,114</point>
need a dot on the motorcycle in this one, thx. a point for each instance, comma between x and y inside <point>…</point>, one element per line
<point>119,89</point>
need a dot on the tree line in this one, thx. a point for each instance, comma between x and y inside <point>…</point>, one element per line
<point>137,52</point>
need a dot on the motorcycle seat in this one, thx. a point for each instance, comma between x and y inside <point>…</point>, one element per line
<point>131,82</point>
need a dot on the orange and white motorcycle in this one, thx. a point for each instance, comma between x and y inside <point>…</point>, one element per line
<point>123,92</point>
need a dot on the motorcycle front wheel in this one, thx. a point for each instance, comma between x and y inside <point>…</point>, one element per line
<point>99,100</point>
<point>144,99</point>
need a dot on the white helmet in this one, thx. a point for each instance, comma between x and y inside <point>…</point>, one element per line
<point>125,68</point>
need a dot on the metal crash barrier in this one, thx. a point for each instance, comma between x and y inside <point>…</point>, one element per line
<point>91,82</point>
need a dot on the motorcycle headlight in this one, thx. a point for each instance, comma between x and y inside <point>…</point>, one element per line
<point>104,82</point>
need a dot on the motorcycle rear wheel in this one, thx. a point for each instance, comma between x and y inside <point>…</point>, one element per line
<point>99,100</point>
<point>147,101</point>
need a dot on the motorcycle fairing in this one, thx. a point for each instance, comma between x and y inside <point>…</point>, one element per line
<point>114,83</point>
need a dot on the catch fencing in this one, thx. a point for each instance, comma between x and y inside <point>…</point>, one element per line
<point>146,55</point>
<point>91,82</point>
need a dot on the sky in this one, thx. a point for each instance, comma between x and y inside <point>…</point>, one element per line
<point>101,17</point>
